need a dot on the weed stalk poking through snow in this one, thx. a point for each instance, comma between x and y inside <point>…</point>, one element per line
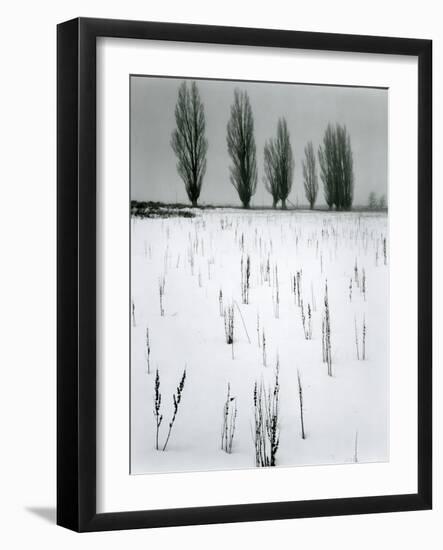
<point>298,286</point>
<point>148,351</point>
<point>266,422</point>
<point>268,272</point>
<point>364,339</point>
<point>276,294</point>
<point>161,292</point>
<point>220,303</point>
<point>300,397</point>
<point>323,340</point>
<point>361,356</point>
<point>245,279</point>
<point>327,355</point>
<point>176,397</point>
<point>303,319</point>
<point>356,340</point>
<point>229,418</point>
<point>309,323</point>
<point>363,285</point>
<point>242,320</point>
<point>157,407</point>
<point>229,326</point>
<point>307,328</point>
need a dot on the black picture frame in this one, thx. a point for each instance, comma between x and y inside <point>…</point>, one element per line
<point>76,273</point>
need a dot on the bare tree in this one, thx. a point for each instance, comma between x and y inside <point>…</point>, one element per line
<point>270,178</point>
<point>326,157</point>
<point>310,180</point>
<point>241,148</point>
<point>188,140</point>
<point>345,168</point>
<point>286,161</point>
<point>279,164</point>
<point>337,167</point>
<point>372,200</point>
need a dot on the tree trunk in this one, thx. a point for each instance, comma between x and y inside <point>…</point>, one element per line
<point>274,203</point>
<point>194,203</point>
<point>283,204</point>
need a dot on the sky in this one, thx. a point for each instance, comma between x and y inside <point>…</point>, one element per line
<point>307,108</point>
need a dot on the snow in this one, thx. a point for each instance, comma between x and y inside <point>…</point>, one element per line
<point>324,245</point>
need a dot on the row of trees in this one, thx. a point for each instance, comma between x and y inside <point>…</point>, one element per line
<point>190,146</point>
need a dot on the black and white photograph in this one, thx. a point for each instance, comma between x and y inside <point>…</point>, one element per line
<point>221,298</point>
<point>259,256</point>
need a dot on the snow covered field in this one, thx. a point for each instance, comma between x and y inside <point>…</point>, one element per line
<point>346,415</point>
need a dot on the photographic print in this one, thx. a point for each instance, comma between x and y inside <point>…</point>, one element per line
<point>259,261</point>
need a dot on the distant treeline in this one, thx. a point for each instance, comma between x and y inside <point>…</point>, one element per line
<point>190,146</point>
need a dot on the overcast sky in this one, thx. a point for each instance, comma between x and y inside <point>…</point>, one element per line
<point>307,109</point>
